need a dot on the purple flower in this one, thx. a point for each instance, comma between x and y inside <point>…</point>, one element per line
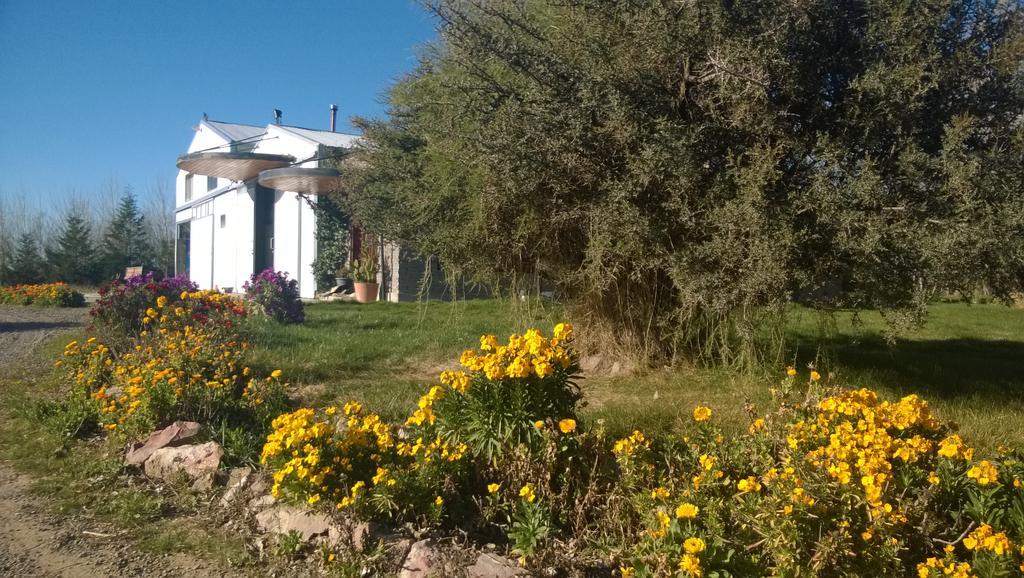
<point>276,296</point>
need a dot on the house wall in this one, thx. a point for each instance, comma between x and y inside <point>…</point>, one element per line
<point>295,240</point>
<point>201,256</point>
<point>203,138</point>
<point>222,256</point>
<point>221,253</point>
<point>294,219</point>
<point>233,239</point>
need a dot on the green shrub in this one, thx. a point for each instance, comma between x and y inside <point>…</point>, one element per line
<point>682,171</point>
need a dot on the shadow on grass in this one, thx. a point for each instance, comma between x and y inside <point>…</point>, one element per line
<point>939,368</point>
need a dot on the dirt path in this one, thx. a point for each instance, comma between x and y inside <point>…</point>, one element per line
<point>36,542</point>
<point>22,329</point>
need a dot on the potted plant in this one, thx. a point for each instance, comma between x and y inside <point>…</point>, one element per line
<point>364,276</point>
<point>342,277</point>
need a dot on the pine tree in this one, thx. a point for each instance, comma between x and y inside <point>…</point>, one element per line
<point>73,259</point>
<point>126,243</point>
<point>26,266</point>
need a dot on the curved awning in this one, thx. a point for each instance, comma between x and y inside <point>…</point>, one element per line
<point>308,181</point>
<point>232,165</point>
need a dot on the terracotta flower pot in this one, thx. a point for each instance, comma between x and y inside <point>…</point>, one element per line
<point>366,292</point>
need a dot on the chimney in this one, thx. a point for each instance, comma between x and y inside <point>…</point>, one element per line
<point>277,116</point>
<point>334,116</point>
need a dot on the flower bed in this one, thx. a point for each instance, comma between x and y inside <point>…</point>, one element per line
<point>120,311</point>
<point>185,363</point>
<point>43,295</point>
<point>833,482</point>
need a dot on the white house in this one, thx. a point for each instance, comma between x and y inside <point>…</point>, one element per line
<point>229,226</point>
<point>228,229</point>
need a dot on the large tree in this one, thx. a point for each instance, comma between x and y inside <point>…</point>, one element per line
<point>72,258</point>
<point>687,169</point>
<point>126,241</point>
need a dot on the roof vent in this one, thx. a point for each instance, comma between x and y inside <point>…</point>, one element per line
<point>277,116</point>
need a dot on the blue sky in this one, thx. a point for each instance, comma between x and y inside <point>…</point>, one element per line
<point>94,91</point>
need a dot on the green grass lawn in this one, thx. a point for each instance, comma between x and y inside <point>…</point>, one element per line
<point>967,361</point>
<point>383,353</point>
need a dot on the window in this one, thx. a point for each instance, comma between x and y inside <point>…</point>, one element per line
<point>188,186</point>
<point>223,221</point>
<point>211,183</point>
<point>202,210</point>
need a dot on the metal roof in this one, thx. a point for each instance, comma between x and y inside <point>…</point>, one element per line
<point>235,132</point>
<point>324,137</point>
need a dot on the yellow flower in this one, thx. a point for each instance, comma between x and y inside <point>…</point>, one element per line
<point>687,511</point>
<point>161,301</point>
<point>527,493</point>
<point>815,376</point>
<point>539,424</point>
<point>707,462</point>
<point>659,493</point>
<point>756,426</point>
<point>492,488</point>
<point>276,373</point>
<point>626,571</point>
<point>791,371</point>
<point>567,425</point>
<point>691,565</point>
<point>693,545</point>
<point>701,413</point>
<point>984,473</point>
<point>488,343</point>
<point>438,501</point>
<point>749,484</point>
<point>563,331</point>
<point>953,447</point>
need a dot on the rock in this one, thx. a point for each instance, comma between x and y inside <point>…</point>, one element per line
<point>238,478</point>
<point>399,548</point>
<point>260,503</point>
<point>287,519</point>
<point>489,565</point>
<point>194,462</point>
<point>259,486</point>
<point>365,535</point>
<point>169,436</point>
<point>205,482</point>
<point>420,561</point>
